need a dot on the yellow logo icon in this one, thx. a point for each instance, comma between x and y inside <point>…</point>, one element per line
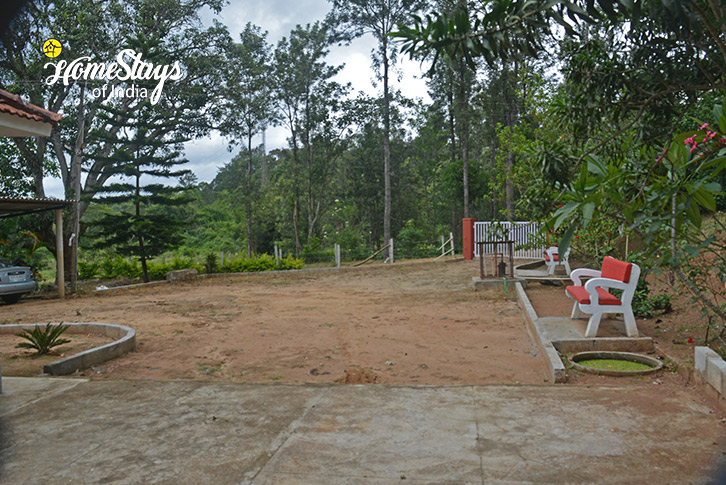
<point>52,48</point>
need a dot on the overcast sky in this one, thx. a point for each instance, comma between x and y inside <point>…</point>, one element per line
<point>278,18</point>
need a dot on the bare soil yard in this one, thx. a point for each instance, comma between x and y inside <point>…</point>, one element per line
<point>407,324</point>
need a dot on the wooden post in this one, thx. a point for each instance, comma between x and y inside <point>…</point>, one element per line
<point>627,240</point>
<point>277,257</point>
<point>451,238</point>
<point>481,261</point>
<point>390,250</point>
<point>511,258</point>
<point>60,279</point>
<point>221,258</point>
<point>443,243</point>
<point>337,255</point>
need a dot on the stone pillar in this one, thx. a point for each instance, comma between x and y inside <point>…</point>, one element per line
<point>468,237</point>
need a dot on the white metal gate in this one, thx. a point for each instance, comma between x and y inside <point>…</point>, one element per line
<point>519,232</point>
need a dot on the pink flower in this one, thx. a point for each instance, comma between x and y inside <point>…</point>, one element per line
<point>577,237</point>
<point>703,126</point>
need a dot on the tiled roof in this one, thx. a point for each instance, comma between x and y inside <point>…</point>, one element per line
<point>13,104</point>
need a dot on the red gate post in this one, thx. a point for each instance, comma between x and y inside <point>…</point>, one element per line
<point>468,237</point>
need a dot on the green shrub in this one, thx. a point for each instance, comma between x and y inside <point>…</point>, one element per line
<point>87,270</point>
<point>118,266</point>
<point>158,271</point>
<point>264,262</point>
<point>43,340</point>
<point>210,266</point>
<point>290,262</point>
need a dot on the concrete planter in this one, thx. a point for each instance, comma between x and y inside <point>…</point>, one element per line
<point>124,343</point>
<point>711,368</point>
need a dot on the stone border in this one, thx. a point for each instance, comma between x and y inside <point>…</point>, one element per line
<point>124,343</point>
<point>711,368</point>
<point>552,358</point>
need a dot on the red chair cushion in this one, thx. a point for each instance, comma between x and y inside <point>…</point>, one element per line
<point>580,294</point>
<point>554,257</point>
<point>615,269</point>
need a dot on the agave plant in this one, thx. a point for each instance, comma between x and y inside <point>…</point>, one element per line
<point>43,340</point>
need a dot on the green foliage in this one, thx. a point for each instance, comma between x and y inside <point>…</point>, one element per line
<point>88,270</point>
<point>43,340</point>
<point>158,271</point>
<point>114,267</point>
<point>644,305</point>
<point>264,262</point>
<point>210,265</point>
<point>411,243</point>
<point>18,243</point>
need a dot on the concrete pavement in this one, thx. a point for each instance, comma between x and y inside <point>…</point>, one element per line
<point>76,431</point>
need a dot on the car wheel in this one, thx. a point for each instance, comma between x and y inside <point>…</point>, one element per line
<point>10,299</point>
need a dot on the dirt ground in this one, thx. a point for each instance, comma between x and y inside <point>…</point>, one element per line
<point>409,324</point>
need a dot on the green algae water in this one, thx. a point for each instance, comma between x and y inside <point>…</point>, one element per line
<point>613,364</point>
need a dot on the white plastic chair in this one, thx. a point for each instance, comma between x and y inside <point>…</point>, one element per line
<point>593,297</point>
<point>552,260</point>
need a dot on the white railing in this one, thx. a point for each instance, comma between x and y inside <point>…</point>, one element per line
<point>519,232</point>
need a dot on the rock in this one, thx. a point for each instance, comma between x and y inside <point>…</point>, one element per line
<point>181,275</point>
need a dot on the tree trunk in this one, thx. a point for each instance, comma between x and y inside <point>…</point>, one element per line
<point>248,195</point>
<point>76,162</point>
<point>464,139</point>
<point>510,121</point>
<point>493,164</point>
<point>386,150</point>
<point>295,216</point>
<point>452,126</point>
<point>142,255</point>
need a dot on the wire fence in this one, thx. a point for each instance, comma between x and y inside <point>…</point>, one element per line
<point>402,250</point>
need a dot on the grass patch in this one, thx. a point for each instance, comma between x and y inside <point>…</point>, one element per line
<point>613,364</point>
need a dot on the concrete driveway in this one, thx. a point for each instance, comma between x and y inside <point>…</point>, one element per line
<point>77,431</point>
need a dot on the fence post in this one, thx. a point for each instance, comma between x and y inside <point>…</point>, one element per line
<point>337,255</point>
<point>390,250</point>
<point>443,243</point>
<point>221,258</point>
<point>451,238</point>
<point>277,258</point>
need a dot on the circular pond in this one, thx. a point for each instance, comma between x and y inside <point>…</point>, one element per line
<point>615,363</point>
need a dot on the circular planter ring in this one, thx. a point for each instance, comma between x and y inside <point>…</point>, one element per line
<point>655,364</point>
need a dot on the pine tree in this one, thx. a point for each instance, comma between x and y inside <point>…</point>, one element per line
<point>140,221</point>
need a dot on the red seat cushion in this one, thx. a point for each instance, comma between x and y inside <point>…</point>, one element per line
<point>615,269</point>
<point>580,294</point>
<point>554,257</point>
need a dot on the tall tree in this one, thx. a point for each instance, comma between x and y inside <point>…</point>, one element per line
<point>378,18</point>
<point>249,105</point>
<point>309,102</point>
<point>137,224</point>
<point>100,29</point>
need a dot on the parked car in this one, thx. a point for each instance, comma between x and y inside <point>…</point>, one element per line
<point>15,281</point>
